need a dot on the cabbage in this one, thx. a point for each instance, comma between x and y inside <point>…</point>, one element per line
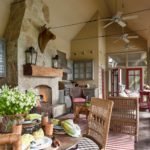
<point>27,139</point>
<point>70,128</point>
<point>38,134</point>
<point>33,116</point>
<point>55,122</point>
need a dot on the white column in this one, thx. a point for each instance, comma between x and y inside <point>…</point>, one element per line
<point>148,57</point>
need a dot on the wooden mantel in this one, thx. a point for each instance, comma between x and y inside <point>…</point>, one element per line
<point>39,71</point>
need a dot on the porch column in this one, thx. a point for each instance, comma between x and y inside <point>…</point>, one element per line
<point>148,66</point>
<point>148,58</point>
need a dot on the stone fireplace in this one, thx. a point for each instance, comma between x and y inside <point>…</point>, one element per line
<point>24,30</point>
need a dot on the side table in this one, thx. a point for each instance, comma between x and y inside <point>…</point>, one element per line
<point>80,109</point>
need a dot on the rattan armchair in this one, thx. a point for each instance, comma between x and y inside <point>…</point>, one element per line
<point>98,125</point>
<point>77,96</point>
<point>125,116</point>
<point>14,139</point>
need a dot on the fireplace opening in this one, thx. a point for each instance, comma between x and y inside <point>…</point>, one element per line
<point>41,98</point>
<point>45,96</point>
<point>45,93</point>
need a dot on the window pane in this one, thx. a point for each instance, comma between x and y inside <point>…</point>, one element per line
<point>76,76</point>
<point>76,70</point>
<point>81,76</point>
<point>88,76</point>
<point>117,60</point>
<point>131,82</point>
<point>137,83</point>
<point>137,72</point>
<point>2,59</point>
<point>131,73</point>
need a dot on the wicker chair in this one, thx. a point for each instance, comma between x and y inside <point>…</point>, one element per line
<point>98,125</point>
<point>14,139</point>
<point>77,96</point>
<point>125,116</point>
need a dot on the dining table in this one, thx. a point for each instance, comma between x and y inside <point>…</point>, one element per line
<point>66,141</point>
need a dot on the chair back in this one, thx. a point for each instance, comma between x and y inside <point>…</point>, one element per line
<point>99,120</point>
<point>76,92</point>
<point>125,116</point>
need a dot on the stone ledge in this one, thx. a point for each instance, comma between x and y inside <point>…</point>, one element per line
<point>39,71</point>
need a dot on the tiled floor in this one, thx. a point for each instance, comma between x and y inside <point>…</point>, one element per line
<point>144,132</point>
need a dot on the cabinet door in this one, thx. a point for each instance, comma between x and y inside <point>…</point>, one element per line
<point>89,70</point>
<point>83,70</point>
<point>76,71</point>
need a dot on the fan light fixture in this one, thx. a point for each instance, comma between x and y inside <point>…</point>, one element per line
<point>119,19</point>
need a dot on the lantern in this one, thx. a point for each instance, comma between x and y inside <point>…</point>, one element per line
<point>55,62</point>
<point>31,56</point>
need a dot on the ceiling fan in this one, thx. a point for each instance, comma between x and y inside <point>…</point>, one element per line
<point>125,37</point>
<point>119,19</point>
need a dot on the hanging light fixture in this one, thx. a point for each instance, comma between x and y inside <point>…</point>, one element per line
<point>31,56</point>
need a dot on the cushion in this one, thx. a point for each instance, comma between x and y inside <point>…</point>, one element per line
<point>78,100</point>
<point>134,94</point>
<point>127,91</point>
<point>123,94</point>
<point>85,144</point>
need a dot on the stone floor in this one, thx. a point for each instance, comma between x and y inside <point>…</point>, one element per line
<point>144,132</point>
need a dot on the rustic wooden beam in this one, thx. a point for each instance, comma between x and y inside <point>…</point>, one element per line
<point>39,71</point>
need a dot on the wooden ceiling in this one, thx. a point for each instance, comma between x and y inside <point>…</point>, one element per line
<point>142,24</point>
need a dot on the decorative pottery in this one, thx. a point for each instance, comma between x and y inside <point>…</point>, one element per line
<point>49,129</point>
<point>17,129</point>
<point>44,120</point>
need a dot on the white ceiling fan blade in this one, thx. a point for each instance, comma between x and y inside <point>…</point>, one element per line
<point>134,48</point>
<point>130,17</point>
<point>125,40</point>
<point>108,24</point>
<point>133,37</point>
<point>115,41</point>
<point>121,23</point>
<point>106,19</point>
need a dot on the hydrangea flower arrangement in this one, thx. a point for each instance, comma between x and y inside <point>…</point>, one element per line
<point>13,101</point>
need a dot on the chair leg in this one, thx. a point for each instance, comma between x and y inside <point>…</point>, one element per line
<point>71,108</point>
<point>17,144</point>
<point>136,138</point>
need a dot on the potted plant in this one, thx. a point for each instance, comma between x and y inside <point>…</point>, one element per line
<point>14,102</point>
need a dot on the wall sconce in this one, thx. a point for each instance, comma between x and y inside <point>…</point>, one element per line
<point>55,61</point>
<point>31,56</point>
